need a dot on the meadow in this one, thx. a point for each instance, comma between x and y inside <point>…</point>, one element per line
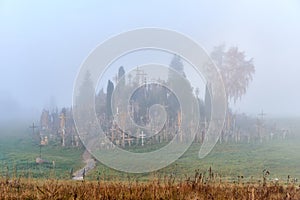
<point>19,150</point>
<point>231,170</point>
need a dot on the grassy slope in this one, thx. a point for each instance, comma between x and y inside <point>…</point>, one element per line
<point>281,158</point>
<point>18,152</point>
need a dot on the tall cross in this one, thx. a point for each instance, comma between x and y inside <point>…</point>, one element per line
<point>62,118</point>
<point>113,129</point>
<point>262,114</point>
<point>140,73</point>
<point>33,127</point>
<point>63,127</point>
<point>137,71</point>
<point>142,136</point>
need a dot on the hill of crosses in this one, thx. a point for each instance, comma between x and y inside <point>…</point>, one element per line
<point>58,127</point>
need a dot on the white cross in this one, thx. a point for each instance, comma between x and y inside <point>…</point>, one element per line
<point>142,136</point>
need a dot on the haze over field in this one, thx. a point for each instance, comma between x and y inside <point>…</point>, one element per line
<point>42,46</point>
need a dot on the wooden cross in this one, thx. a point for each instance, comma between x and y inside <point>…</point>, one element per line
<point>112,129</point>
<point>128,139</point>
<point>62,118</point>
<point>33,127</point>
<point>63,127</point>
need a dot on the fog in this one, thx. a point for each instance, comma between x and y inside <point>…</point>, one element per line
<point>42,46</point>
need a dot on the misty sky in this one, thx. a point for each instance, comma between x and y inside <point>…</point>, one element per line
<point>42,45</point>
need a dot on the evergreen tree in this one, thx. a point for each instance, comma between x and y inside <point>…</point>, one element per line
<point>100,102</point>
<point>86,89</point>
<point>177,79</point>
<point>177,65</point>
<point>121,73</point>
<point>109,91</point>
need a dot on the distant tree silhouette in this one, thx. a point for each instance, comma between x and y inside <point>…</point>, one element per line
<point>175,79</point>
<point>86,89</point>
<point>109,91</point>
<point>121,73</point>
<point>177,65</point>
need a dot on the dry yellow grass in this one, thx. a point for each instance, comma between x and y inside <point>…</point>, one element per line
<point>59,189</point>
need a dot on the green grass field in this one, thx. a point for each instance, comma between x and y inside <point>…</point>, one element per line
<point>280,158</point>
<point>18,152</point>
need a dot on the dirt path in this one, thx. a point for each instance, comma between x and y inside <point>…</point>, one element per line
<point>90,163</point>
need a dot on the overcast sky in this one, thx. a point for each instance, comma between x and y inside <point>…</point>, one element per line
<point>43,44</point>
